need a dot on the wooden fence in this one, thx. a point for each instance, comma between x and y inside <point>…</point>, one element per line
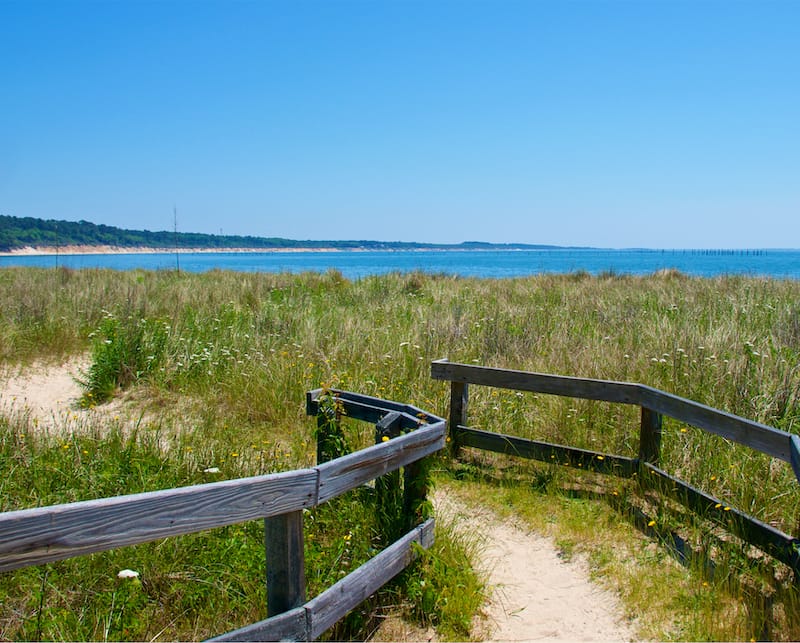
<point>37,536</point>
<point>654,404</point>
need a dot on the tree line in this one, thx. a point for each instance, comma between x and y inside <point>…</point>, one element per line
<point>21,232</point>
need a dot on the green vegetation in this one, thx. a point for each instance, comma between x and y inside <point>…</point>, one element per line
<point>19,232</point>
<point>217,366</point>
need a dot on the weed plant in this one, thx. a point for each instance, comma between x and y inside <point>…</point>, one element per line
<point>223,359</point>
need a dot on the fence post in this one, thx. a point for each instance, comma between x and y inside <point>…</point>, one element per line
<point>331,442</point>
<point>286,568</point>
<point>388,494</point>
<point>415,493</point>
<point>459,398</point>
<point>650,436</point>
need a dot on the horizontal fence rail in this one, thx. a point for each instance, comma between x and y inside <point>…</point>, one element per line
<point>45,534</point>
<point>316,616</point>
<point>773,442</point>
<point>37,536</point>
<point>655,405</point>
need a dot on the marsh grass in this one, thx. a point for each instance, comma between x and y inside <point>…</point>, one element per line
<point>225,359</point>
<point>195,586</point>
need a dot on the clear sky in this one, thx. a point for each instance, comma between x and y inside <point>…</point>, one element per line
<point>612,124</point>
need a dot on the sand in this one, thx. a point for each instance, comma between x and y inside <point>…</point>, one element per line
<point>534,594</point>
<point>47,393</point>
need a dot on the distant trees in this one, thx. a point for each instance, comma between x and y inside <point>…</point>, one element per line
<point>19,232</point>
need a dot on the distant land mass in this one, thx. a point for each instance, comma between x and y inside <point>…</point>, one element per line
<point>17,233</point>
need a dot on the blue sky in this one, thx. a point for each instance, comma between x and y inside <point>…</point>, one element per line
<point>612,124</point>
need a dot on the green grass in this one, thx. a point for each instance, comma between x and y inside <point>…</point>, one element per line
<point>219,364</point>
<point>194,586</point>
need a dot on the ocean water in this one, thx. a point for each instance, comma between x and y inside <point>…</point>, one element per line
<point>783,264</point>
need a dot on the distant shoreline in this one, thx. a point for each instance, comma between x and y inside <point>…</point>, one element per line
<point>45,251</point>
<point>30,251</point>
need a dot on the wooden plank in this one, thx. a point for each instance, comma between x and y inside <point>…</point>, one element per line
<point>415,491</point>
<point>388,405</point>
<point>342,474</point>
<point>286,567</point>
<point>388,426</point>
<point>372,414</point>
<point>771,540</point>
<point>388,487</point>
<point>459,403</point>
<point>408,409</point>
<point>370,409</point>
<point>757,436</point>
<point>650,436</point>
<point>36,536</point>
<point>326,609</point>
<point>547,452</point>
<point>330,606</point>
<point>289,626</point>
<point>795,456</point>
<point>602,390</point>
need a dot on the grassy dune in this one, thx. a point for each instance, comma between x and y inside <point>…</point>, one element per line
<point>221,362</point>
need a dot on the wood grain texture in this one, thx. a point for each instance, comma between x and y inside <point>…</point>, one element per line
<point>388,426</point>
<point>353,589</point>
<point>386,405</point>
<point>795,456</point>
<point>766,537</point>
<point>755,435</point>
<point>650,436</point>
<point>459,404</point>
<point>589,389</point>
<point>289,626</point>
<point>371,409</point>
<point>342,474</point>
<point>36,536</point>
<point>752,434</point>
<point>286,562</point>
<point>319,614</point>
<point>556,454</point>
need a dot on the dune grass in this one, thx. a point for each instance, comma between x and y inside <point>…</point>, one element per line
<point>222,361</point>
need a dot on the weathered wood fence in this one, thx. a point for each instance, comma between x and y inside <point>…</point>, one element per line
<point>654,404</point>
<point>37,536</point>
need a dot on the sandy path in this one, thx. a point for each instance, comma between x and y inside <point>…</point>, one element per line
<point>535,595</point>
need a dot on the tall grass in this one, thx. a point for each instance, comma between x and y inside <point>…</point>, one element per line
<point>224,359</point>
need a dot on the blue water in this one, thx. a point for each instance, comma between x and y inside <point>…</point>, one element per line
<point>468,263</point>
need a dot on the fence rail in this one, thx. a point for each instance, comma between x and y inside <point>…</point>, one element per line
<point>308,621</point>
<point>655,405</point>
<point>755,435</point>
<point>37,536</point>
